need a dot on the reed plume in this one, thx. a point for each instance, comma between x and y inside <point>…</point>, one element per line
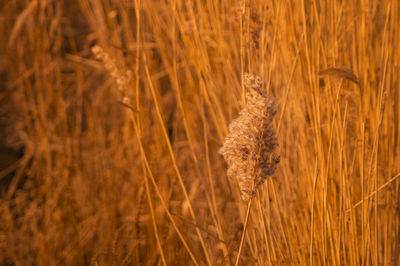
<point>250,146</point>
<point>121,78</point>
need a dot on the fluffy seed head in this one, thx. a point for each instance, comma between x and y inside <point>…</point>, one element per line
<point>250,146</point>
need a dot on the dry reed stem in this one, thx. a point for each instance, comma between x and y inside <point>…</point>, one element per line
<point>21,20</point>
<point>246,222</point>
<point>153,219</point>
<point>163,203</point>
<point>171,152</point>
<point>391,180</point>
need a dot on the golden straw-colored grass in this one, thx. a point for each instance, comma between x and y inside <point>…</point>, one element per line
<point>119,108</point>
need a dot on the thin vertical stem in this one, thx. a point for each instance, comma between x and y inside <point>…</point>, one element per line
<point>244,231</point>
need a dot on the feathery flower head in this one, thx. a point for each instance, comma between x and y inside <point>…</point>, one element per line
<point>250,146</point>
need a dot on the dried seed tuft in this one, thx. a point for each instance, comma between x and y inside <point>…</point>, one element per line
<point>250,146</point>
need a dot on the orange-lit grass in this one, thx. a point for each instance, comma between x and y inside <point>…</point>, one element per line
<point>99,184</point>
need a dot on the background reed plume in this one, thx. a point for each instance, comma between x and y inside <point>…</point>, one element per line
<point>250,146</point>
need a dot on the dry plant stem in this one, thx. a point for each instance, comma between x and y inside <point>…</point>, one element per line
<point>23,163</point>
<point>213,207</point>
<point>391,180</point>
<point>325,190</point>
<point>264,229</point>
<point>173,157</point>
<point>153,218</point>
<point>21,20</point>
<point>312,211</point>
<point>381,107</point>
<point>137,63</point>
<point>138,132</point>
<point>273,58</point>
<point>341,238</point>
<point>243,99</point>
<point>280,219</point>
<point>144,157</point>
<point>177,86</point>
<point>137,80</point>
<point>288,86</point>
<point>362,195</point>
<point>244,231</point>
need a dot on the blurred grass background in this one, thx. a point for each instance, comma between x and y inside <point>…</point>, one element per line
<point>113,160</point>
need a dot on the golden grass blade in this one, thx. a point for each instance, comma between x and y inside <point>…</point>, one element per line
<point>373,193</point>
<point>21,20</point>
<point>244,232</point>
<point>180,179</point>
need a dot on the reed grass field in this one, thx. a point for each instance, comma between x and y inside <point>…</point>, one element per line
<point>199,132</point>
